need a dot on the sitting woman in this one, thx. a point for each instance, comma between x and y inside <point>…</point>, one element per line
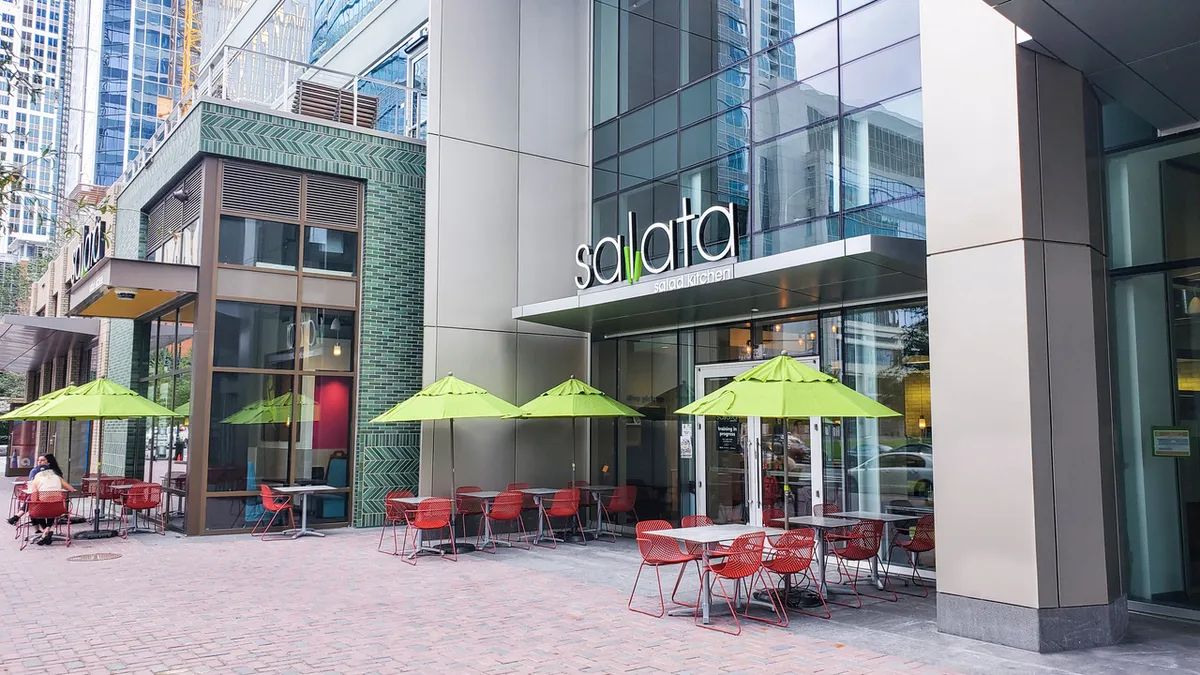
<point>48,480</point>
<point>41,464</point>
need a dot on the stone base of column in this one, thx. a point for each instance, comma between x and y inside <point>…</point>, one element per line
<point>1036,630</point>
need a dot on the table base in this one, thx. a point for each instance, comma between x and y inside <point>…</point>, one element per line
<point>94,534</point>
<point>296,534</point>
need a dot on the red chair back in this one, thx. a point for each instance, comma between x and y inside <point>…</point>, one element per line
<point>657,550</point>
<point>585,498</point>
<point>143,496</point>
<point>862,541</point>
<point>47,505</point>
<point>773,517</point>
<point>744,557</point>
<point>826,509</point>
<point>507,506</point>
<point>527,501</point>
<point>695,521</point>
<point>770,489</point>
<point>793,552</point>
<point>922,539</point>
<point>623,499</point>
<point>271,501</point>
<point>564,503</point>
<point>90,484</point>
<point>432,514</point>
<point>396,511</point>
<point>468,505</point>
<point>104,487</point>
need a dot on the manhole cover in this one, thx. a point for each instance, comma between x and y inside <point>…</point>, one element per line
<point>94,557</point>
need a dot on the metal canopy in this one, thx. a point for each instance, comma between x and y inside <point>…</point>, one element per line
<point>846,271</point>
<point>1144,54</point>
<point>121,288</point>
<point>26,342</point>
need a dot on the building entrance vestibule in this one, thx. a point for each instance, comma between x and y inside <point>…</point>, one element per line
<point>755,470</point>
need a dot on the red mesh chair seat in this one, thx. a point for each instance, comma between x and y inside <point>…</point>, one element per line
<point>921,541</point>
<point>743,563</point>
<point>276,505</point>
<point>564,504</point>
<point>432,515</point>
<point>143,497</point>
<point>44,506</point>
<point>859,543</point>
<point>622,501</point>
<point>506,508</point>
<point>793,554</point>
<point>395,514</point>
<point>657,552</point>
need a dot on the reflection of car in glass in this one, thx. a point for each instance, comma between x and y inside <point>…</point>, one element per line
<point>797,448</point>
<point>864,451</point>
<point>4,450</point>
<point>900,475</point>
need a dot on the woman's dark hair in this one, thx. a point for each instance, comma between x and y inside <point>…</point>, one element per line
<point>52,463</point>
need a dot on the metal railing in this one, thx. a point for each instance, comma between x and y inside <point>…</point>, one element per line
<point>241,76</point>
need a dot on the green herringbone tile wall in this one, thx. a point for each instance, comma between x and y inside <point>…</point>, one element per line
<point>387,457</point>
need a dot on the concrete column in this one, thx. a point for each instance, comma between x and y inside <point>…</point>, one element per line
<point>507,202</point>
<point>1026,510</point>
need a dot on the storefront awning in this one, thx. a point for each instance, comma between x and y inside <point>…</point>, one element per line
<point>26,342</point>
<point>847,271</point>
<point>120,288</point>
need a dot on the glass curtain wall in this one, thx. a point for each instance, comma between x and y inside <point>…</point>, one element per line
<point>1154,215</point>
<point>806,115</point>
<point>169,383</point>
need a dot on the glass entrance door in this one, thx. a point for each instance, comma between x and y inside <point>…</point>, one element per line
<point>754,470</point>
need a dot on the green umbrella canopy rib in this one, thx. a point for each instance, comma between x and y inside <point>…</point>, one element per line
<point>100,399</point>
<point>784,387</point>
<point>33,407</point>
<point>574,398</point>
<point>277,410</point>
<point>448,399</point>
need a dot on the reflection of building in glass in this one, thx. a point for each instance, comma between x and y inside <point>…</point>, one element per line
<point>333,19</point>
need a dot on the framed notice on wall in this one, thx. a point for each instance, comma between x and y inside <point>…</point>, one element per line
<point>1171,441</point>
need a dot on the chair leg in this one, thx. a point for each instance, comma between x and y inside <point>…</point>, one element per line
<point>915,579</point>
<point>479,538</point>
<point>662,606</point>
<point>777,604</point>
<point>453,547</point>
<point>549,528</point>
<point>606,516</point>
<point>582,532</point>
<point>404,549</point>
<point>682,569</point>
<point>808,574</point>
<point>732,610</point>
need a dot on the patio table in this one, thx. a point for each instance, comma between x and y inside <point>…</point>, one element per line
<point>821,524</point>
<point>888,519</point>
<point>416,501</point>
<point>598,491</point>
<point>486,497</point>
<point>708,536</point>
<point>538,494</point>
<point>304,491</point>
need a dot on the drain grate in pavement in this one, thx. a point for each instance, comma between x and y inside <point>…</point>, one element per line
<point>94,557</point>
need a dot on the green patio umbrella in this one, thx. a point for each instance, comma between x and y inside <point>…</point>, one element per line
<point>101,399</point>
<point>449,399</point>
<point>276,410</point>
<point>783,387</point>
<point>33,406</point>
<point>575,399</point>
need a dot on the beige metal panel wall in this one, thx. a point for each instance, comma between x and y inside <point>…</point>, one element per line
<point>507,202</point>
<point>1027,551</point>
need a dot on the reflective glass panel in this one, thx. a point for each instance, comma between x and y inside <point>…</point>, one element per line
<point>797,177</point>
<point>254,242</point>
<point>327,339</point>
<point>249,431</point>
<point>881,24</point>
<point>797,106</point>
<point>254,335</point>
<point>330,251</point>
<point>893,71</point>
<point>323,443</point>
<point>883,153</point>
<point>807,55</point>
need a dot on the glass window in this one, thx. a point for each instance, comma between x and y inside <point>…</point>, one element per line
<point>714,36</point>
<point>796,177</point>
<point>718,93</point>
<point>649,59</point>
<point>904,219</point>
<point>807,55</point>
<point>637,166</point>
<point>720,182</point>
<point>893,71</point>
<point>249,431</point>
<point>718,136</point>
<point>797,106</point>
<point>330,251</point>
<point>606,221</point>
<point>796,336</point>
<point>323,442</point>
<point>605,63</point>
<point>604,140</point>
<point>666,156</point>
<point>604,177</point>
<point>253,335</point>
<point>258,243</point>
<point>777,21</point>
<point>724,343</point>
<point>799,235</point>
<point>327,339</point>
<point>883,153</point>
<point>883,23</point>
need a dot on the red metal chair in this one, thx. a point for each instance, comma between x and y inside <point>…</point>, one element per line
<point>468,506</point>
<point>143,497</point>
<point>18,498</point>
<point>506,508</point>
<point>826,509</point>
<point>394,514</point>
<point>528,503</point>
<point>695,551</point>
<point>770,491</point>
<point>274,504</point>
<point>105,493</point>
<point>564,504</point>
<point>742,563</point>
<point>657,552</point>
<point>432,515</point>
<point>859,543</point>
<point>793,554</point>
<point>773,517</point>
<point>920,542</point>
<point>587,500</point>
<point>621,501</point>
<point>44,506</point>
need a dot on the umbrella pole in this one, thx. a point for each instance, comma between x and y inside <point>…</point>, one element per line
<point>96,532</point>
<point>787,488</point>
<point>574,449</point>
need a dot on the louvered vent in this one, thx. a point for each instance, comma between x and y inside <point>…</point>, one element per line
<point>193,185</point>
<point>260,191</point>
<point>331,103</point>
<point>331,201</point>
<point>156,233</point>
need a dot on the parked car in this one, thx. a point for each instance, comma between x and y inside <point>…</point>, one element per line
<point>900,474</point>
